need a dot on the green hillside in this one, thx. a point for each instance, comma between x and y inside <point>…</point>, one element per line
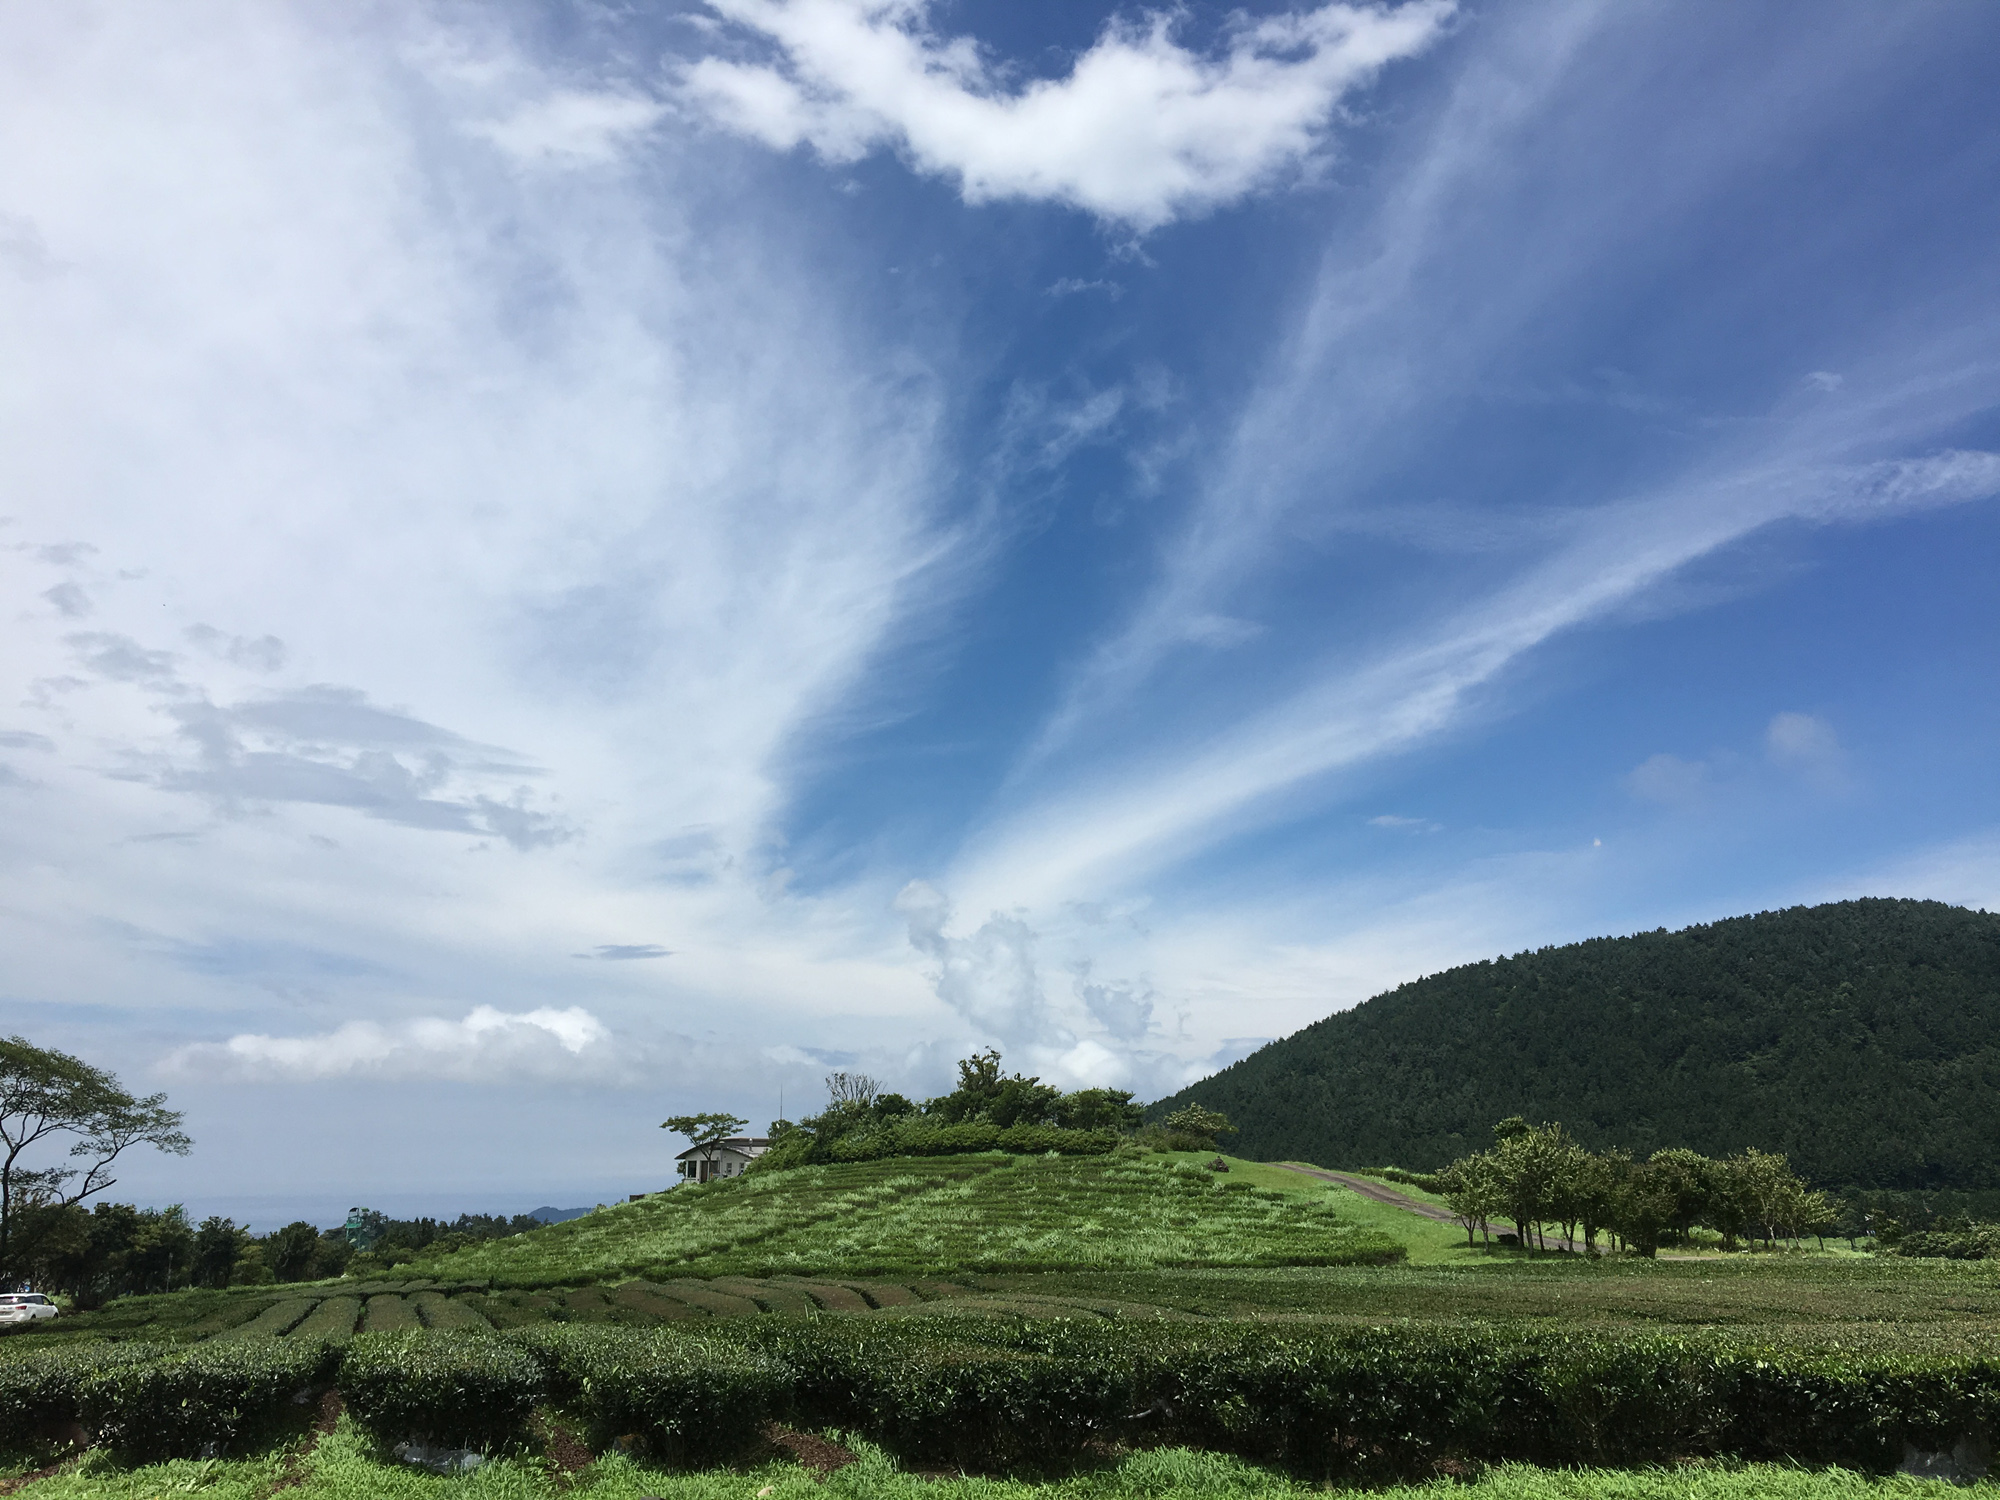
<point>935,1216</point>
<point>1860,1038</point>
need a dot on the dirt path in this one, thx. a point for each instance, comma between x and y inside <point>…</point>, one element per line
<point>1382,1193</point>
<point>1369,1188</point>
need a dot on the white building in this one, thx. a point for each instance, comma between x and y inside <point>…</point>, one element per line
<point>730,1158</point>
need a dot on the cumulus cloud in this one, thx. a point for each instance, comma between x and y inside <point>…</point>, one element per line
<point>486,1045</point>
<point>573,127</point>
<point>1670,780</point>
<point>70,599</point>
<point>1141,131</point>
<point>265,653</point>
<point>989,977</point>
<point>1807,746</point>
<point>1123,1009</point>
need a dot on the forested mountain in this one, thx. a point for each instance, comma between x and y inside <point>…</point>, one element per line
<point>1861,1038</point>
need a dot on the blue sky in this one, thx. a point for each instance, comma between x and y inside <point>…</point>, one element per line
<point>565,564</point>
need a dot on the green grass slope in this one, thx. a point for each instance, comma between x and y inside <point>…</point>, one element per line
<point>1860,1038</point>
<point>936,1216</point>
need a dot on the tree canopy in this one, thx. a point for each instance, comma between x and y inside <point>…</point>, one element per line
<point>49,1099</point>
<point>1861,1039</point>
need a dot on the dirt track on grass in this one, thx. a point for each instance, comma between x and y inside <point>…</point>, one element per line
<point>1381,1193</point>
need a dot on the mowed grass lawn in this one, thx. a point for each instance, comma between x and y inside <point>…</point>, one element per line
<point>343,1467</point>
<point>938,1217</point>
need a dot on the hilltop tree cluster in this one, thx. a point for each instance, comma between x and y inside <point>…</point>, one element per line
<point>989,1110</point>
<point>1539,1178</point>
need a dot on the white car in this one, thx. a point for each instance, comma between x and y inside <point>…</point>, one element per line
<point>25,1307</point>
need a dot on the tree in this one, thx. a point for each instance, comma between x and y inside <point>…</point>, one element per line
<point>289,1251</point>
<point>218,1246</point>
<point>47,1095</point>
<point>851,1088</point>
<point>1470,1188</point>
<point>705,1132</point>
<point>1201,1124</point>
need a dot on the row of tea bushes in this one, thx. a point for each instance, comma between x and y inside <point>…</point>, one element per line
<point>151,1401</point>
<point>1353,1403</point>
<point>1010,1394</point>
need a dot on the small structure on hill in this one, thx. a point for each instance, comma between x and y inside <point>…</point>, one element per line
<point>729,1158</point>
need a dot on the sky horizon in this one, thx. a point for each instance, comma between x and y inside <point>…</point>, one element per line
<point>568,563</point>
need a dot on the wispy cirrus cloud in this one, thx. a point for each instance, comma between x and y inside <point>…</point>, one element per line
<point>1141,131</point>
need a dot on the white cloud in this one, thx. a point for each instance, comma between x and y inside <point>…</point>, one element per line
<point>1141,131</point>
<point>1671,780</point>
<point>485,1046</point>
<point>1808,746</point>
<point>1097,834</point>
<point>569,127</point>
<point>1825,380</point>
<point>990,977</point>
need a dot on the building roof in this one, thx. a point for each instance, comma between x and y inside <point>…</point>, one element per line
<point>742,1145</point>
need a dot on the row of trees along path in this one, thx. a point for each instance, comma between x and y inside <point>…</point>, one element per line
<point>1540,1178</point>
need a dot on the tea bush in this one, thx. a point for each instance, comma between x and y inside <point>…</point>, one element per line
<point>38,1387</point>
<point>279,1318</point>
<point>462,1389</point>
<point>213,1398</point>
<point>389,1313</point>
<point>436,1310</point>
<point>332,1320</point>
<point>693,1400</point>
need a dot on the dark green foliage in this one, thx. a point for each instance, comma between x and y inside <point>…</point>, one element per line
<point>75,1120</point>
<point>462,1389</point>
<point>279,1318</point>
<point>988,1111</point>
<point>1962,1241</point>
<point>332,1321</point>
<point>694,1400</point>
<point>1861,1039</point>
<point>109,1250</point>
<point>213,1398</point>
<point>439,1311</point>
<point>389,1313</point>
<point>1367,1403</point>
<point>39,1389</point>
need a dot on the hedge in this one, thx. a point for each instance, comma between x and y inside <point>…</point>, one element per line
<point>465,1390</point>
<point>1360,1403</point>
<point>693,1400</point>
<point>389,1313</point>
<point>333,1319</point>
<point>211,1399</point>
<point>1325,1402</point>
<point>38,1388</point>
<point>278,1318</point>
<point>439,1311</point>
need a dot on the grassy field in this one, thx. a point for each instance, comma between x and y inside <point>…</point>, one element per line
<point>343,1467</point>
<point>1152,1237</point>
<point>935,1217</point>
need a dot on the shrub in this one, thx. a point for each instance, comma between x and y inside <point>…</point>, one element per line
<point>274,1320</point>
<point>694,1400</point>
<point>439,1311</point>
<point>38,1388</point>
<point>216,1397</point>
<point>468,1390</point>
<point>333,1320</point>
<point>389,1313</point>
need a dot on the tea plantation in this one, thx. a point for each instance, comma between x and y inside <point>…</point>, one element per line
<point>1065,1327</point>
